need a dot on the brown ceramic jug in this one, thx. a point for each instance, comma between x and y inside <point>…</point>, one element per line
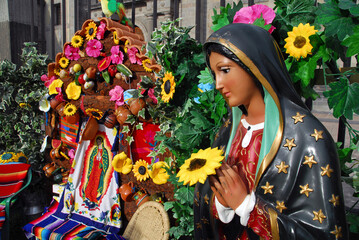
<point>127,190</point>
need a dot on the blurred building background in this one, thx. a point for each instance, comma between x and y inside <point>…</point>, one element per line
<point>51,23</point>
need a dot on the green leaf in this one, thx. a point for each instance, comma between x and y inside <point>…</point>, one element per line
<point>125,129</point>
<point>330,15</point>
<point>106,76</point>
<point>343,98</point>
<point>184,195</point>
<point>352,42</point>
<point>139,126</point>
<point>205,76</point>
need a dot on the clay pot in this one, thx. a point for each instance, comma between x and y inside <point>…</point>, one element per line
<point>73,118</point>
<point>110,121</point>
<point>141,197</point>
<point>54,102</point>
<point>55,153</point>
<point>49,169</point>
<point>127,191</point>
<point>137,105</point>
<point>60,109</point>
<point>121,114</point>
<point>90,130</point>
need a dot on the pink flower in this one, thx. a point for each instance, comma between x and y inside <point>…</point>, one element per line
<point>151,94</point>
<point>101,31</point>
<point>250,14</point>
<point>72,53</point>
<point>59,96</point>
<point>132,56</point>
<point>117,55</point>
<point>94,48</point>
<point>47,80</point>
<point>117,95</point>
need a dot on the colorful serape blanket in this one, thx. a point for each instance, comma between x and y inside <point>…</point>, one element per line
<point>68,132</point>
<point>48,226</point>
<point>12,177</point>
<point>89,206</point>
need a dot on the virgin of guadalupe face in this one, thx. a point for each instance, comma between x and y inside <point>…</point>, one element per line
<point>232,81</point>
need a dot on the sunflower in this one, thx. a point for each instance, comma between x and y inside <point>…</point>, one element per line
<point>77,41</point>
<point>140,170</point>
<point>21,157</point>
<point>91,31</point>
<point>73,91</point>
<point>7,157</point>
<point>298,43</point>
<point>64,62</point>
<point>115,37</point>
<point>158,173</point>
<point>121,163</point>
<point>57,71</point>
<point>55,84</point>
<point>200,165</point>
<point>168,87</point>
<point>70,109</point>
<point>144,62</point>
<point>95,113</point>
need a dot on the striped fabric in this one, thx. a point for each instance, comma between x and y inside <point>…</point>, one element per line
<point>12,176</point>
<point>48,226</point>
<point>68,133</point>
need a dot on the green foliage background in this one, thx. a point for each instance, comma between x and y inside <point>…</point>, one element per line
<point>21,126</point>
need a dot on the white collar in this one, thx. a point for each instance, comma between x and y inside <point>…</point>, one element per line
<point>250,128</point>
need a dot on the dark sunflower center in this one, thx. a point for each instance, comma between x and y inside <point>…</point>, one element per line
<point>91,31</point>
<point>70,110</point>
<point>77,41</point>
<point>142,170</point>
<point>299,42</point>
<point>167,86</point>
<point>196,163</point>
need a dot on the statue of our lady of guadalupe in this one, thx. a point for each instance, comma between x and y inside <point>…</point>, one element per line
<point>281,177</point>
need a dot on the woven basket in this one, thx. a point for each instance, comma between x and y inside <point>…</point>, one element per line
<point>150,222</point>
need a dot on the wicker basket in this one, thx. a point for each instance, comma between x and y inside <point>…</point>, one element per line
<point>150,222</point>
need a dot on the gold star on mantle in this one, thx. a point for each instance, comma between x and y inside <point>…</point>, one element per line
<point>337,232</point>
<point>298,118</point>
<point>305,189</point>
<point>206,198</point>
<point>267,188</point>
<point>226,124</point>
<point>289,144</point>
<point>280,206</point>
<point>282,167</point>
<point>317,135</point>
<point>334,200</point>
<point>326,171</point>
<point>199,225</point>
<point>319,216</point>
<point>309,160</point>
<point>205,220</point>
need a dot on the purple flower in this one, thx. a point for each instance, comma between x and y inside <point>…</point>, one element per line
<point>72,53</point>
<point>250,14</point>
<point>94,48</point>
<point>132,56</point>
<point>117,55</point>
<point>101,31</point>
<point>117,95</point>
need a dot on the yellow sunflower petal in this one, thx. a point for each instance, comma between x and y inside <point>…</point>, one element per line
<point>168,87</point>
<point>158,173</point>
<point>298,42</point>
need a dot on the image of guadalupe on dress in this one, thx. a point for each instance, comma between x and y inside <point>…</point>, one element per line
<point>98,165</point>
<point>288,163</point>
